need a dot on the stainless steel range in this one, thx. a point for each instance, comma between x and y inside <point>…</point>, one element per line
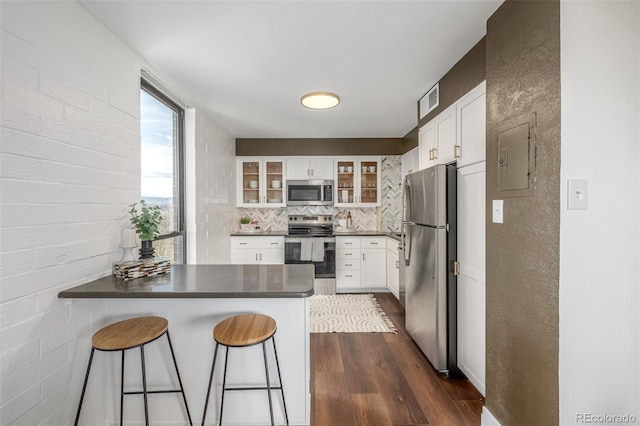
<point>310,240</point>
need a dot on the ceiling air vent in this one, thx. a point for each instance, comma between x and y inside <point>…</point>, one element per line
<point>430,101</point>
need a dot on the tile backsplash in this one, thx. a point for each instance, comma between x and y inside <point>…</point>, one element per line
<point>387,216</point>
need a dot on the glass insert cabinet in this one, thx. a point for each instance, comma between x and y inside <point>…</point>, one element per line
<point>261,182</point>
<point>358,182</point>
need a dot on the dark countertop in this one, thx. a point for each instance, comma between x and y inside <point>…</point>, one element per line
<point>259,234</point>
<point>202,281</point>
<point>393,235</point>
<point>368,234</point>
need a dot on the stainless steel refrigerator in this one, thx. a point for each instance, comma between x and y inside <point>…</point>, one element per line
<point>429,246</point>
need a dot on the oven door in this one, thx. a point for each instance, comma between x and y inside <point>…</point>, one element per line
<point>293,247</point>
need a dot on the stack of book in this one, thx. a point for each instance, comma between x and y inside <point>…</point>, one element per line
<point>141,268</point>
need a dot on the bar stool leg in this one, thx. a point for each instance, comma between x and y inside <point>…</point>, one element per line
<point>144,387</point>
<point>224,382</point>
<point>184,397</point>
<point>206,401</point>
<point>84,386</point>
<point>122,389</point>
<point>266,371</point>
<point>284,404</point>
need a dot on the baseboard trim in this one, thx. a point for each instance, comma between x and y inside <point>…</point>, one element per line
<point>487,419</point>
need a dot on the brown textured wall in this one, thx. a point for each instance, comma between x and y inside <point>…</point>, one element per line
<point>309,146</point>
<point>523,76</point>
<point>410,140</point>
<point>466,74</point>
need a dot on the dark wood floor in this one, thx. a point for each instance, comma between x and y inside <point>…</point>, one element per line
<point>383,379</point>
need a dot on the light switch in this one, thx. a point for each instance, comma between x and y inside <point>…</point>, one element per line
<point>577,194</point>
<point>498,211</point>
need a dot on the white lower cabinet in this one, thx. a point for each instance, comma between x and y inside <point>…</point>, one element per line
<point>257,250</point>
<point>393,267</point>
<point>361,263</point>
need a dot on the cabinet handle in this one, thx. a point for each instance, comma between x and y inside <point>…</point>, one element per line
<point>348,264</point>
<point>362,256</point>
<point>435,153</point>
<point>373,243</point>
<point>397,264</point>
<point>243,244</point>
<point>456,267</point>
<point>256,257</point>
<point>347,244</point>
<point>430,154</point>
<point>260,256</point>
<point>456,153</point>
<point>348,254</point>
<point>348,276</point>
<point>274,244</point>
<point>311,172</point>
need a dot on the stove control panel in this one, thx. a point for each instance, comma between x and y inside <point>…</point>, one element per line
<point>311,220</point>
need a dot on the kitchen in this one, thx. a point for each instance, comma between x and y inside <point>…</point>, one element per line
<point>61,216</point>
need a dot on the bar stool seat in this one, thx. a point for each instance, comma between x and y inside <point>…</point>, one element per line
<point>242,331</point>
<point>129,334</point>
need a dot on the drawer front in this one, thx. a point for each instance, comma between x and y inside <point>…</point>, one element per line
<point>347,242</point>
<point>257,242</point>
<point>347,265</point>
<point>348,279</point>
<point>348,254</point>
<point>373,242</point>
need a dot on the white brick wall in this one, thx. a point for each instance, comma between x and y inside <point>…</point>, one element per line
<point>214,191</point>
<point>69,166</point>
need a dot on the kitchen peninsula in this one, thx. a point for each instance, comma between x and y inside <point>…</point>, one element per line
<point>194,298</point>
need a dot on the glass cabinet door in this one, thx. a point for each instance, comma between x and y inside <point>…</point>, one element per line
<point>274,182</point>
<point>346,185</point>
<point>369,171</point>
<point>250,182</point>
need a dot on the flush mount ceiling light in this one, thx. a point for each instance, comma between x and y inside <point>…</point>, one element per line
<point>320,100</point>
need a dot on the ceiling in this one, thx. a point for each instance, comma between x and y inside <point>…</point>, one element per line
<point>249,62</point>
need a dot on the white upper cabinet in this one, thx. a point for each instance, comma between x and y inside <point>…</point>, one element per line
<point>261,182</point>
<point>471,126</point>
<point>445,128</point>
<point>309,168</point>
<point>357,182</point>
<point>427,145</point>
<point>410,161</point>
<point>457,133</point>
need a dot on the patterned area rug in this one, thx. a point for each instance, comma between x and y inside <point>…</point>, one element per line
<point>348,313</point>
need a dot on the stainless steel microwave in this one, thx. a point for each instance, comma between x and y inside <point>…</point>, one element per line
<point>309,193</point>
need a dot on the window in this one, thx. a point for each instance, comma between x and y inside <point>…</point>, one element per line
<point>162,134</point>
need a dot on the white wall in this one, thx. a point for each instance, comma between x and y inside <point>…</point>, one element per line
<point>70,165</point>
<point>599,256</point>
<point>215,183</point>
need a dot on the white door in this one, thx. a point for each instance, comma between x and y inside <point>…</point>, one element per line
<point>321,168</point>
<point>245,256</point>
<point>471,281</point>
<point>298,168</point>
<point>272,256</point>
<point>427,145</point>
<point>445,125</point>
<point>374,268</point>
<point>471,124</point>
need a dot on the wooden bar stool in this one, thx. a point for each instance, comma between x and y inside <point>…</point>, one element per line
<point>241,331</point>
<point>129,334</point>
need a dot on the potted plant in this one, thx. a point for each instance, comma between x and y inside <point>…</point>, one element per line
<point>147,223</point>
<point>245,222</point>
